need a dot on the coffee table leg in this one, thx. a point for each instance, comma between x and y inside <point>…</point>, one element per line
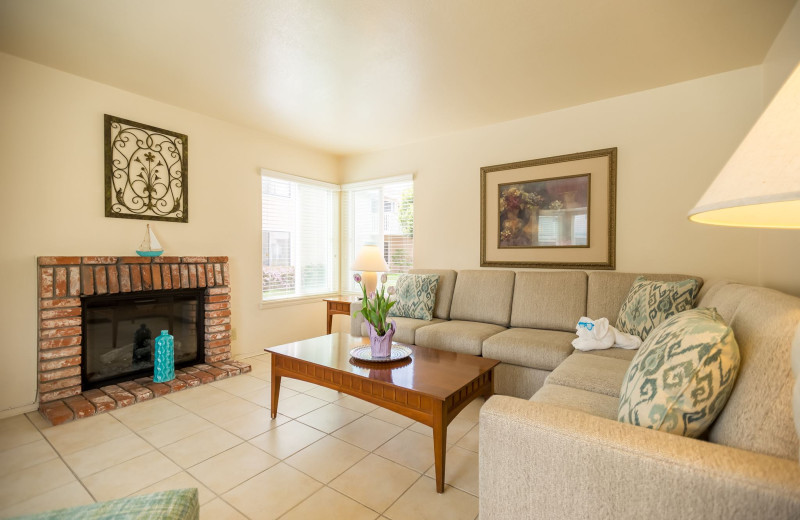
<point>439,444</point>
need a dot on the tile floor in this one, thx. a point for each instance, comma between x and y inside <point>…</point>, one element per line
<point>327,455</point>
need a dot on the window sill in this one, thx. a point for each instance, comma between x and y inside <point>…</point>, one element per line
<point>297,300</point>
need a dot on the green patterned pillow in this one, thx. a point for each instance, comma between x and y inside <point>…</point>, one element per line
<point>416,296</point>
<point>681,377</point>
<point>649,303</point>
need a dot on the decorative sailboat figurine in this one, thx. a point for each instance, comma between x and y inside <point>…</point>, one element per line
<point>150,246</point>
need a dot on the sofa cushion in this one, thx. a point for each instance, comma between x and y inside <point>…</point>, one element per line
<point>415,296</point>
<point>534,348</point>
<point>457,336</point>
<point>592,373</point>
<point>649,303</point>
<point>607,290</point>
<point>576,399</point>
<point>483,296</point>
<point>614,352</point>
<point>682,375</point>
<point>444,291</point>
<point>406,328</point>
<point>549,300</point>
<point>758,416</point>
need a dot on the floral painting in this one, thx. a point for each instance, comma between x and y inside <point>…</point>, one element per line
<point>544,213</point>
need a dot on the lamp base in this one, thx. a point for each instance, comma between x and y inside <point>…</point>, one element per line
<point>370,281</point>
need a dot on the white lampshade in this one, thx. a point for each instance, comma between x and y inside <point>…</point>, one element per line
<point>760,184</point>
<point>370,258</point>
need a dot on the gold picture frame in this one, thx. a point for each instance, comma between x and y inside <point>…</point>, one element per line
<point>553,213</point>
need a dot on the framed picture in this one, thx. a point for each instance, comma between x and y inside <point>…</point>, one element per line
<point>556,212</point>
<point>146,171</point>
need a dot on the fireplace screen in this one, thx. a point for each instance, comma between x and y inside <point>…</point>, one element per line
<point>119,333</point>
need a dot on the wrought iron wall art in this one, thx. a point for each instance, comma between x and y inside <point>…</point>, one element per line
<point>146,171</point>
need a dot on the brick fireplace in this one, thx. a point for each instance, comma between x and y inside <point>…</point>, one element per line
<point>63,280</point>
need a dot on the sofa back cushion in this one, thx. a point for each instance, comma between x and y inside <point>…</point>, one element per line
<point>444,291</point>
<point>607,290</point>
<point>549,300</point>
<point>483,295</point>
<point>758,416</point>
<point>796,373</point>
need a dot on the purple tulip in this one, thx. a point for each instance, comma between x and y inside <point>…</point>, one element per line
<point>357,278</point>
<point>392,290</point>
<point>371,295</point>
<point>384,278</point>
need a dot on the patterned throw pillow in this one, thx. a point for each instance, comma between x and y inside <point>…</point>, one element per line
<point>681,378</point>
<point>649,303</point>
<point>416,296</point>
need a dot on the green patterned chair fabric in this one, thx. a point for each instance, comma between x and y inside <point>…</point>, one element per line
<point>416,296</point>
<point>649,303</point>
<point>175,504</point>
<point>682,376</point>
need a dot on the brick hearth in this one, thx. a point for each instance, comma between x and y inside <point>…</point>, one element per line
<point>64,279</point>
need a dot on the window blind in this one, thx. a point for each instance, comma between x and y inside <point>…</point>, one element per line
<point>299,222</point>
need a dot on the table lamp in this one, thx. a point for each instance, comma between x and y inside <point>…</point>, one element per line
<point>370,261</point>
<point>759,187</point>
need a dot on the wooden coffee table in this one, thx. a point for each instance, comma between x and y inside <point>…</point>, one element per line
<point>432,386</point>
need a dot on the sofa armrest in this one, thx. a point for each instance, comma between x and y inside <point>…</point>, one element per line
<point>542,461</point>
<point>356,319</point>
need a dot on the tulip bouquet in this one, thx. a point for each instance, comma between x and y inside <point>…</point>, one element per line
<point>376,305</point>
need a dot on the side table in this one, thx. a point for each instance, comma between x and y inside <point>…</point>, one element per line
<point>338,305</point>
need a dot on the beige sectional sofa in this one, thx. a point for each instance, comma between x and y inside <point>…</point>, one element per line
<point>550,444</point>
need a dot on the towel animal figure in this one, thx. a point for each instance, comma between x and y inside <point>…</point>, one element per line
<point>598,335</point>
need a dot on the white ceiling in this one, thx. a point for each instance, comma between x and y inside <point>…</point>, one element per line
<point>349,76</point>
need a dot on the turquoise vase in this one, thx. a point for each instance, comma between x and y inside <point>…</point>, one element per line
<point>164,369</point>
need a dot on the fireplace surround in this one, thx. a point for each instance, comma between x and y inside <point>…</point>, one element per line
<point>64,281</point>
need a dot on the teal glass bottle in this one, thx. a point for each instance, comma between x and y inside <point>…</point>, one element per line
<point>164,369</point>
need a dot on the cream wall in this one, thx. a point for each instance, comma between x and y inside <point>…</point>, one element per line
<point>672,141</point>
<point>51,165</point>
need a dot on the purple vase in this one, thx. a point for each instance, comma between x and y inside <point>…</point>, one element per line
<point>381,346</point>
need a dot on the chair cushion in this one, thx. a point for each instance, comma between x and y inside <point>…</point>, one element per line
<point>177,504</point>
<point>614,352</point>
<point>576,399</point>
<point>457,336</point>
<point>549,300</point>
<point>415,296</point>
<point>534,348</point>
<point>483,296</point>
<point>406,329</point>
<point>681,378</point>
<point>444,291</point>
<point>649,303</point>
<point>592,373</point>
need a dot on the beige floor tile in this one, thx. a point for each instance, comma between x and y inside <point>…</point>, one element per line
<point>392,417</point>
<point>69,495</point>
<point>130,476</point>
<point>175,429</point>
<point>296,385</point>
<point>29,482</point>
<point>40,422</point>
<point>326,459</point>
<point>110,453</point>
<point>260,397</point>
<point>287,439</point>
<point>230,468</point>
<point>422,502</point>
<point>148,413</point>
<point>200,446</point>
<point>198,397</point>
<point>218,509</point>
<point>460,470</point>
<point>271,493</point>
<point>329,505</point>
<point>329,418</point>
<point>84,433</point>
<point>410,449</point>
<point>367,432</point>
<point>180,480</point>
<point>470,440</point>
<point>354,403</point>
<point>455,430</point>
<point>240,384</point>
<point>25,456</point>
<point>222,412</point>
<point>299,405</point>
<point>326,394</point>
<point>472,411</point>
<point>375,482</point>
<point>16,431</point>
<point>254,423</point>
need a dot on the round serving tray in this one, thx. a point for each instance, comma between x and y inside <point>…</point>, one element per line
<point>365,353</point>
